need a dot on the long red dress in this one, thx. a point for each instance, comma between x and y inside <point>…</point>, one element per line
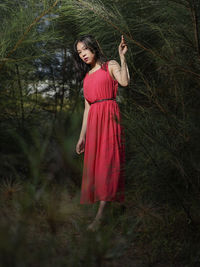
<point>104,156</point>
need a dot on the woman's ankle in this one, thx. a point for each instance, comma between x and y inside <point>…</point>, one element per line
<point>99,216</point>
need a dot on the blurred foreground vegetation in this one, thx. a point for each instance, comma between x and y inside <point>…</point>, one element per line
<point>41,108</point>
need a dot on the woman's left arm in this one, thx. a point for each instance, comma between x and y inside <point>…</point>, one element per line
<point>120,73</point>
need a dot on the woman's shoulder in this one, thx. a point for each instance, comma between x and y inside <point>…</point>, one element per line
<point>112,61</point>
<point>112,64</point>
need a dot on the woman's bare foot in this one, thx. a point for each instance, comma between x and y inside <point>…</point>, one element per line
<point>99,217</point>
<point>95,224</point>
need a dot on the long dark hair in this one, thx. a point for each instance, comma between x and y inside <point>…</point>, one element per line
<point>81,68</point>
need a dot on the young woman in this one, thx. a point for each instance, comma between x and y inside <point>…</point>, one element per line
<point>102,136</point>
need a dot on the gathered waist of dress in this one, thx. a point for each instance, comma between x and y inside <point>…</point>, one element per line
<point>105,99</point>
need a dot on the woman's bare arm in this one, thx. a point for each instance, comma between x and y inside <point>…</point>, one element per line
<point>80,147</point>
<point>84,123</point>
<point>120,73</point>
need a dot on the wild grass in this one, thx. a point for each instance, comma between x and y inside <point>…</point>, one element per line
<point>42,222</point>
<point>52,231</point>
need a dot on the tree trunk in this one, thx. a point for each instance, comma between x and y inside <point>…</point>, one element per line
<point>56,93</point>
<point>63,78</point>
<point>21,96</point>
<point>194,6</point>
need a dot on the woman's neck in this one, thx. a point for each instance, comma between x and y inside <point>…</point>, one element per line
<point>95,65</point>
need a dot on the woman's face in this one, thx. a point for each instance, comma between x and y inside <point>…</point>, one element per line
<point>85,53</point>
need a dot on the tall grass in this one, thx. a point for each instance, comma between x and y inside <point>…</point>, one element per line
<point>42,222</point>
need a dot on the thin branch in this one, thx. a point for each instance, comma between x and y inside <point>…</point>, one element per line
<point>19,42</point>
<point>91,8</point>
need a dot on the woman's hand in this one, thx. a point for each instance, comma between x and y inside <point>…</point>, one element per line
<point>122,47</point>
<point>80,147</point>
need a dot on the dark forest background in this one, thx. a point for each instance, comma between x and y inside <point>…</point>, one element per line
<point>41,109</point>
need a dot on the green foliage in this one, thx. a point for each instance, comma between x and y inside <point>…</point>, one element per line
<point>41,107</point>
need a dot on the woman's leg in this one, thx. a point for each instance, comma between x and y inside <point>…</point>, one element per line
<point>97,220</point>
<point>100,210</point>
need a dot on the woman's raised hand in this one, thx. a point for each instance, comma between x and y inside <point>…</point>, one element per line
<point>80,147</point>
<point>122,47</point>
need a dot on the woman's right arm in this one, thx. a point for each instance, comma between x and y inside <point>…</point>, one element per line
<point>81,142</point>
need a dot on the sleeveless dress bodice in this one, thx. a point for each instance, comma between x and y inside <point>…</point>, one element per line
<point>99,85</point>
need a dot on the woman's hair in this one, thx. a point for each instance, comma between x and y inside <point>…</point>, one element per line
<point>81,68</point>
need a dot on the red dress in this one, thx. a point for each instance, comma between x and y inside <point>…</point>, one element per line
<point>104,157</point>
